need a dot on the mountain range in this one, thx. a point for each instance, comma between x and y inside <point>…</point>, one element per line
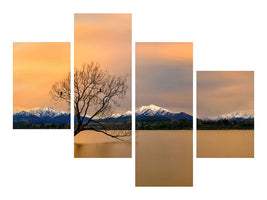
<point>153,112</point>
<point>237,116</point>
<point>48,115</point>
<point>41,116</point>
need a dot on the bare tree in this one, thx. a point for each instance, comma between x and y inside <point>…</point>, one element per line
<point>95,93</point>
<point>60,91</point>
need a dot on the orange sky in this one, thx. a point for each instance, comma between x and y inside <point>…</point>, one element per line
<point>36,66</point>
<point>164,75</point>
<point>105,39</point>
<point>222,92</point>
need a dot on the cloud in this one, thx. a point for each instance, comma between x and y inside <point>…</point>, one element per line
<point>164,75</point>
<point>220,92</point>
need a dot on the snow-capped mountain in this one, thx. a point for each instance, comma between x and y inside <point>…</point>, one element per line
<point>42,112</point>
<point>151,110</point>
<point>154,111</point>
<point>117,115</point>
<point>234,116</point>
<point>45,115</point>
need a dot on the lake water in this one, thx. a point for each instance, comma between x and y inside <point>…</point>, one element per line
<point>91,144</point>
<point>225,143</point>
<point>164,158</point>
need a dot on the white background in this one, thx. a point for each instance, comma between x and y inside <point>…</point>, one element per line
<point>230,35</point>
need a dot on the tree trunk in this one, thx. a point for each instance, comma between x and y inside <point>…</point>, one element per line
<point>78,129</point>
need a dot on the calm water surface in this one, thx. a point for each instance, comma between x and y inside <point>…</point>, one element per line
<point>225,143</point>
<point>164,158</point>
<point>90,144</point>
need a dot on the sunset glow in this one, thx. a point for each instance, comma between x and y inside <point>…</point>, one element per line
<point>221,92</point>
<point>164,75</point>
<point>36,67</point>
<point>105,39</point>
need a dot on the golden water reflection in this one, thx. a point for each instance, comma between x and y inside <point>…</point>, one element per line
<point>90,144</point>
<point>164,158</point>
<point>225,143</point>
